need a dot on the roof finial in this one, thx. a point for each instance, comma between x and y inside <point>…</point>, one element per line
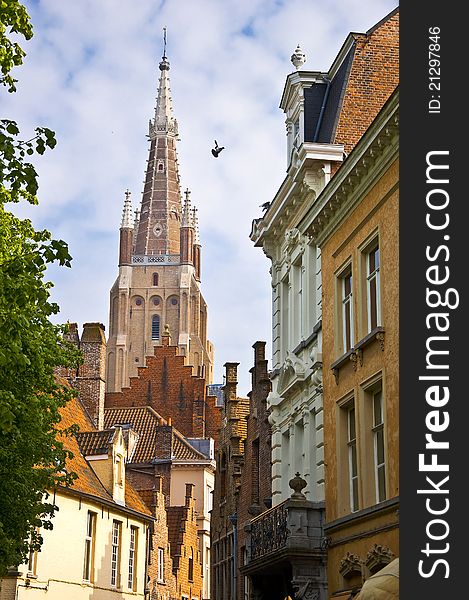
<point>186,211</point>
<point>127,212</point>
<point>298,57</point>
<point>195,224</point>
<point>164,64</point>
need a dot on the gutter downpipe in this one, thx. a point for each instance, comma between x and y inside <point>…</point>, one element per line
<point>234,585</point>
<point>323,107</point>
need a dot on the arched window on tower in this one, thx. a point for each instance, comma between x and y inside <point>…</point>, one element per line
<point>155,278</point>
<point>155,327</point>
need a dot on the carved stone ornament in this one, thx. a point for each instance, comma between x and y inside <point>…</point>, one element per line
<point>378,557</point>
<point>305,591</point>
<point>350,565</point>
<point>297,484</point>
<point>292,237</point>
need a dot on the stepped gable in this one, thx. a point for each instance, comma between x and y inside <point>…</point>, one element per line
<point>167,385</point>
<point>184,544</point>
<point>145,421</point>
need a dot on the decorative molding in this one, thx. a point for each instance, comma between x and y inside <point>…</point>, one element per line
<point>350,565</point>
<point>378,557</point>
<point>306,591</point>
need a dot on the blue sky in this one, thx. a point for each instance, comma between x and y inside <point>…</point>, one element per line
<point>90,74</point>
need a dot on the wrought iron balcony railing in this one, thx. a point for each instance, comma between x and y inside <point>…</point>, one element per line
<point>269,531</point>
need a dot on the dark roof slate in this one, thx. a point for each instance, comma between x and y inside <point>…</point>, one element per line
<point>144,420</point>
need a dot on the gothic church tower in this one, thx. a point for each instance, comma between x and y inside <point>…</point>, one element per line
<point>159,263</point>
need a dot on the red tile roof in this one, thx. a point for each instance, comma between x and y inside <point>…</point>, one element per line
<point>145,421</point>
<point>87,482</point>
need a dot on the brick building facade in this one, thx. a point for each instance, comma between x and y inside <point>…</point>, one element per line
<point>256,482</point>
<point>327,115</point>
<point>230,460</point>
<point>167,383</point>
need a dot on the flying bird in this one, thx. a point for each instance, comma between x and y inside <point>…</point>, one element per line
<point>216,151</point>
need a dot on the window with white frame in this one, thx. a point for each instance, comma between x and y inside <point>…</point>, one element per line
<point>346,309</point>
<point>32,558</point>
<point>378,445</point>
<point>89,546</point>
<point>373,286</point>
<point>161,565</point>
<point>116,553</point>
<point>352,457</point>
<point>132,578</point>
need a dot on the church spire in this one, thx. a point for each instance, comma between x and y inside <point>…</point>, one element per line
<point>164,121</point>
<point>159,224</point>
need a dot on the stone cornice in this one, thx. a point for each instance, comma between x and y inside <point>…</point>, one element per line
<point>370,158</point>
<point>303,78</point>
<point>307,175</point>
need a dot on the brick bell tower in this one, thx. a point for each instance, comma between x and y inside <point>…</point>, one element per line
<point>159,263</point>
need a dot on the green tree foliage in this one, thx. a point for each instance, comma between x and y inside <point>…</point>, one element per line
<point>32,456</point>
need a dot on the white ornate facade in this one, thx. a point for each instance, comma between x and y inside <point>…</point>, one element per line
<point>296,399</point>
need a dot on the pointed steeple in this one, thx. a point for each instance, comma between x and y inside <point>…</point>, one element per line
<point>159,223</point>
<point>164,121</point>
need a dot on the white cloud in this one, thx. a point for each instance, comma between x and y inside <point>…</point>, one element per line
<point>91,75</point>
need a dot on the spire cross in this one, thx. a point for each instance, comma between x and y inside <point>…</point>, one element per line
<point>187,193</point>
<point>127,194</point>
<point>164,42</point>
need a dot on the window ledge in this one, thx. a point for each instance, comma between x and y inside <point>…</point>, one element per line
<point>355,354</point>
<point>340,362</point>
<point>375,334</point>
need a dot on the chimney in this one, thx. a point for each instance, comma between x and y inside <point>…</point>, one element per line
<point>90,382</point>
<point>231,381</point>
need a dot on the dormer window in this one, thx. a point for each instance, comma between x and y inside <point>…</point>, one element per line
<point>119,470</point>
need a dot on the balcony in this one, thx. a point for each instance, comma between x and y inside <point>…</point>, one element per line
<point>285,551</point>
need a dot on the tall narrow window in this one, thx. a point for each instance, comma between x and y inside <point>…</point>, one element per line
<point>223,476</point>
<point>115,553</point>
<point>191,565</point>
<point>347,310</point>
<point>373,291</point>
<point>155,278</point>
<point>352,458</point>
<point>255,475</point>
<point>32,559</point>
<point>378,435</point>
<point>89,546</point>
<point>132,579</point>
<point>155,327</point>
<point>161,565</point>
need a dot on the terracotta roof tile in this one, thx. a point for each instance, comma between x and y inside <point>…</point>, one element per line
<point>87,482</point>
<point>95,442</point>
